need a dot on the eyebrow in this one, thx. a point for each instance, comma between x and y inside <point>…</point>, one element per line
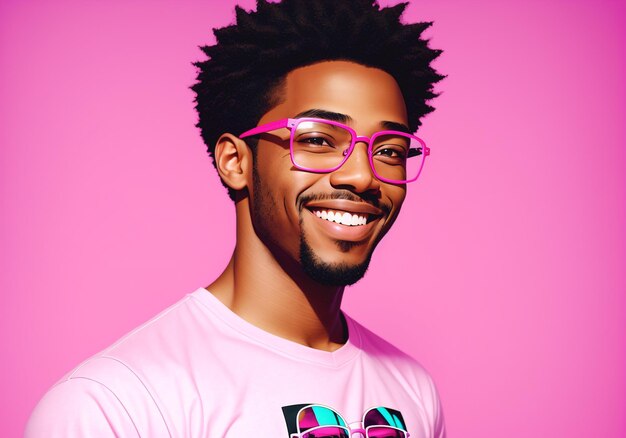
<point>345,119</point>
<point>323,114</point>
<point>395,126</point>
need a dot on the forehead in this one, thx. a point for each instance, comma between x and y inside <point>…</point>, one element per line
<point>368,95</point>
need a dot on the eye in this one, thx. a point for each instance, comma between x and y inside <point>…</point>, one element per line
<point>390,153</point>
<point>317,141</point>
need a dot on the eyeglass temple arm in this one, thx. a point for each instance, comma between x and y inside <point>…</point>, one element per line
<point>266,128</point>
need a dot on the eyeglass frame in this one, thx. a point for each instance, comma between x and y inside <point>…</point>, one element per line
<point>292,124</point>
<point>347,428</point>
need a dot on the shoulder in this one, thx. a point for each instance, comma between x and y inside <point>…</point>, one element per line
<point>80,405</point>
<point>376,347</point>
<point>404,368</point>
<point>108,395</point>
<point>102,397</point>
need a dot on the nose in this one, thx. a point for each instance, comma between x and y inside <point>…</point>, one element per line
<point>356,173</point>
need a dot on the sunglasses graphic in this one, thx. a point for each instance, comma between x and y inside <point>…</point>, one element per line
<point>319,421</point>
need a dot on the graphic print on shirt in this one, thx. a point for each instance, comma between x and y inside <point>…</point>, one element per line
<point>310,420</point>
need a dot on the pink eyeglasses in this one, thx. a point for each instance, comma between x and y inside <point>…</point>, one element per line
<point>322,146</point>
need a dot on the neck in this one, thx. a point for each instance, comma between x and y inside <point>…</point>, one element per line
<point>272,292</point>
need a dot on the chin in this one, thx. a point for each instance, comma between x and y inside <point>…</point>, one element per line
<point>331,274</point>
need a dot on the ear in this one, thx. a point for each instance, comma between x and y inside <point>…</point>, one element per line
<point>233,159</point>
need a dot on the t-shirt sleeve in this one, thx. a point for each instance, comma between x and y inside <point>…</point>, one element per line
<point>80,407</point>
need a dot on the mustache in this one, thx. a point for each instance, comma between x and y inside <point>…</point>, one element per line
<point>370,198</point>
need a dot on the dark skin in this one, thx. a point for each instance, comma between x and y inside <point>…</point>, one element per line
<point>264,282</point>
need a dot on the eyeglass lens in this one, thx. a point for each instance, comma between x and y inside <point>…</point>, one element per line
<point>321,422</point>
<point>326,432</point>
<point>323,146</point>
<point>384,423</point>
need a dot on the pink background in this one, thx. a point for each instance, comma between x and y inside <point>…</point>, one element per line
<point>504,275</point>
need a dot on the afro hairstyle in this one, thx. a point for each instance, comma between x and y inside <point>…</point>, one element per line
<point>241,79</point>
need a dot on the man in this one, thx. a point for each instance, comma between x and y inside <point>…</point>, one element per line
<point>307,108</point>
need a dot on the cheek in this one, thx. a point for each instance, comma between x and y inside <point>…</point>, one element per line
<point>276,187</point>
<point>395,196</point>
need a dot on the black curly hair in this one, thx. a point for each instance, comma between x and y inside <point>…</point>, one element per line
<point>240,80</point>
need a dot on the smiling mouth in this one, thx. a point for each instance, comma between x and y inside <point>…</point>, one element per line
<point>342,217</point>
<point>347,213</point>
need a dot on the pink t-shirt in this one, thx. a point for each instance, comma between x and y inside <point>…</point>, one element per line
<point>199,370</point>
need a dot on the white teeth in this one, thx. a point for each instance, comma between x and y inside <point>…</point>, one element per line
<point>343,218</point>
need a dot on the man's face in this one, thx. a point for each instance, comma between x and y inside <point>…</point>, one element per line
<point>286,203</point>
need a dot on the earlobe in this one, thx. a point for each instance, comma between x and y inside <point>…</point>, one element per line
<point>233,159</point>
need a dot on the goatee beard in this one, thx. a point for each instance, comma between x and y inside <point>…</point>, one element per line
<point>338,274</point>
